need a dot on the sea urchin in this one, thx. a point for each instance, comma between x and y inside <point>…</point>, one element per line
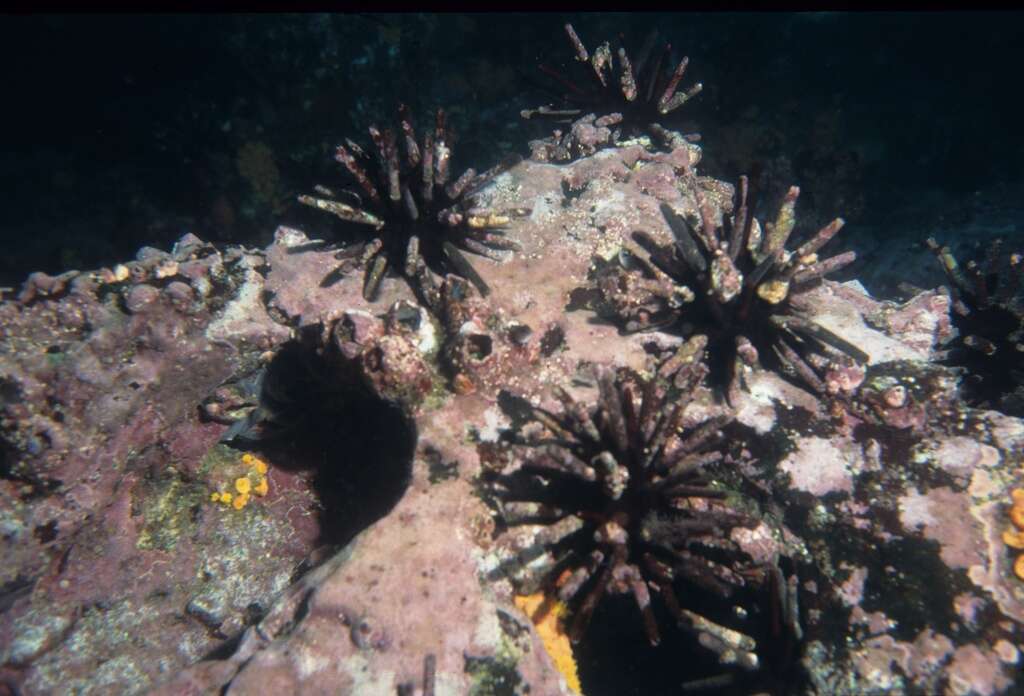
<point>626,506</point>
<point>988,312</point>
<point>735,283</point>
<point>643,92</point>
<point>421,218</point>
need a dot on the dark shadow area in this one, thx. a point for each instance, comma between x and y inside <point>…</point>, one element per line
<point>312,416</point>
<point>615,659</point>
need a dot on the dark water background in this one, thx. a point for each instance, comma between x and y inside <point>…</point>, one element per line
<point>123,131</point>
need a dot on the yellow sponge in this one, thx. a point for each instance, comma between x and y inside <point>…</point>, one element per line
<point>549,629</point>
<point>252,481</point>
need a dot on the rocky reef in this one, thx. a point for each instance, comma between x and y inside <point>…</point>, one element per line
<point>221,474</point>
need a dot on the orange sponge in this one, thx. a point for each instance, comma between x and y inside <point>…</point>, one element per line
<point>1014,538</point>
<point>549,628</point>
<point>253,481</point>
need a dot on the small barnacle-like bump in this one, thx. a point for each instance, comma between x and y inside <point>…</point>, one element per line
<point>166,269</point>
<point>895,397</point>
<point>120,274</point>
<point>519,334</point>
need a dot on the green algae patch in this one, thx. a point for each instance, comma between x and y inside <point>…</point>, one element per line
<point>170,510</point>
<point>496,675</point>
<point>438,395</point>
<point>219,458</point>
<point>493,676</point>
<point>171,506</point>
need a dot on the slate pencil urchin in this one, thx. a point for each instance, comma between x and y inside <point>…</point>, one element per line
<point>422,219</point>
<point>734,282</point>
<point>626,508</point>
<point>642,92</point>
<point>988,312</point>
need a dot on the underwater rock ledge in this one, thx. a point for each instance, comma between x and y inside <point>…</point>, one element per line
<point>885,498</point>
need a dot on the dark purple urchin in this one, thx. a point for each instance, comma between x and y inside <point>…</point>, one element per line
<point>643,92</point>
<point>733,283</point>
<point>988,313</point>
<point>627,506</point>
<point>422,219</point>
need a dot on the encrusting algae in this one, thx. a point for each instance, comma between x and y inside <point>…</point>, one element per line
<point>549,628</point>
<point>253,482</point>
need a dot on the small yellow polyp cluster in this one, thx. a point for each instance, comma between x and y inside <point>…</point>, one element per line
<point>1014,537</point>
<point>550,631</point>
<point>253,482</point>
